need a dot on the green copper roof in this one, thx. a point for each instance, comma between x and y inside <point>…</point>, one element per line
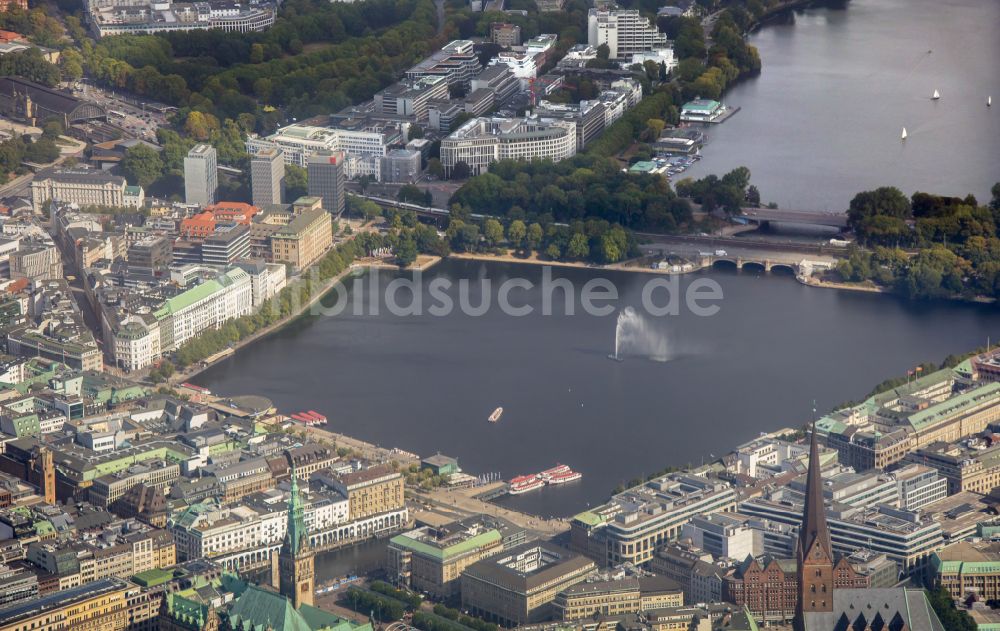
<point>446,552</point>
<point>589,518</point>
<point>261,610</point>
<point>320,620</point>
<point>152,578</point>
<point>296,537</point>
<point>954,405</point>
<point>186,299</point>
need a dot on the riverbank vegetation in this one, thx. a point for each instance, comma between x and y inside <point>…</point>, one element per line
<point>285,304</point>
<point>593,241</point>
<point>927,246</point>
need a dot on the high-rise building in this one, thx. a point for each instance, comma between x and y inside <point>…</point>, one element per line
<point>326,180</point>
<point>201,178</point>
<point>624,31</point>
<point>296,565</point>
<point>267,175</point>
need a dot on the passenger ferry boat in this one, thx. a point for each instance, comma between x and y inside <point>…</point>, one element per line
<point>310,418</point>
<point>497,413</point>
<point>556,470</point>
<point>525,483</point>
<point>564,477</point>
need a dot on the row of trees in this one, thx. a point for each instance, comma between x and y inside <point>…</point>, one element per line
<point>384,608</point>
<point>412,600</point>
<point>466,621</point>
<point>954,244</point>
<point>583,187</point>
<point>299,293</point>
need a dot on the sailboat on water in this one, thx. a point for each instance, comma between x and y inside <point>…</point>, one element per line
<point>936,95</point>
<point>989,101</point>
<point>903,135</point>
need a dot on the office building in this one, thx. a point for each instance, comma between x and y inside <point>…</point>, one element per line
<point>968,466</point>
<point>968,568</point>
<point>355,137</point>
<point>723,535</point>
<point>410,97</point>
<point>304,240</point>
<point>35,262</point>
<point>267,175</point>
<point>226,245</point>
<point>457,62</point>
<point>519,586</point>
<point>636,522</point>
<point>499,80</point>
<point>431,560</point>
<point>105,605</point>
<point>889,425</point>
<point>504,34</point>
<point>326,180</point>
<point>589,117</point>
<point>401,166</point>
<point>150,255</point>
<point>482,141</point>
<point>624,31</point>
<point>201,176</point>
<point>601,596</point>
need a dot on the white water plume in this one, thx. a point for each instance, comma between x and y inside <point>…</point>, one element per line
<point>635,336</point>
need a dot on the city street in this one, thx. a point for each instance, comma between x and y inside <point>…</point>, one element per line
<point>138,121</point>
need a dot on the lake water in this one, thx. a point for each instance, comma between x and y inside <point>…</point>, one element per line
<point>427,384</point>
<point>838,84</point>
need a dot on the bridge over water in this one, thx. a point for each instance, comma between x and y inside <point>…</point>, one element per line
<point>802,217</point>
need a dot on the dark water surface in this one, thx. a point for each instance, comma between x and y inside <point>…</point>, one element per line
<point>427,384</point>
<point>838,84</point>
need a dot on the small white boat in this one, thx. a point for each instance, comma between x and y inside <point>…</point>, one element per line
<point>989,101</point>
<point>497,413</point>
<point>903,135</point>
<point>936,95</point>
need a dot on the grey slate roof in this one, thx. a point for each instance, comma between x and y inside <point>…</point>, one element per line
<point>892,605</point>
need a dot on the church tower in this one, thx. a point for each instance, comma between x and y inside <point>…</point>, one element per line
<point>296,566</point>
<point>813,551</point>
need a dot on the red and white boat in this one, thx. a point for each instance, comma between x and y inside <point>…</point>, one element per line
<point>309,418</point>
<point>556,470</point>
<point>566,476</point>
<point>525,483</point>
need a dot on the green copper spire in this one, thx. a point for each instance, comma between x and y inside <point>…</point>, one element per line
<point>296,536</point>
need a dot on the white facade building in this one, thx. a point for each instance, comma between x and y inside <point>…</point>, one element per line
<point>201,176</point>
<point>624,31</point>
<point>482,141</point>
<point>299,142</point>
<point>720,534</point>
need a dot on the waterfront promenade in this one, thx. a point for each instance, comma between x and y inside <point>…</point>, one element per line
<point>465,501</point>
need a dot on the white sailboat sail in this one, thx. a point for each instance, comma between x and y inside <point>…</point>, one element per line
<point>937,95</point>
<point>903,136</point>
